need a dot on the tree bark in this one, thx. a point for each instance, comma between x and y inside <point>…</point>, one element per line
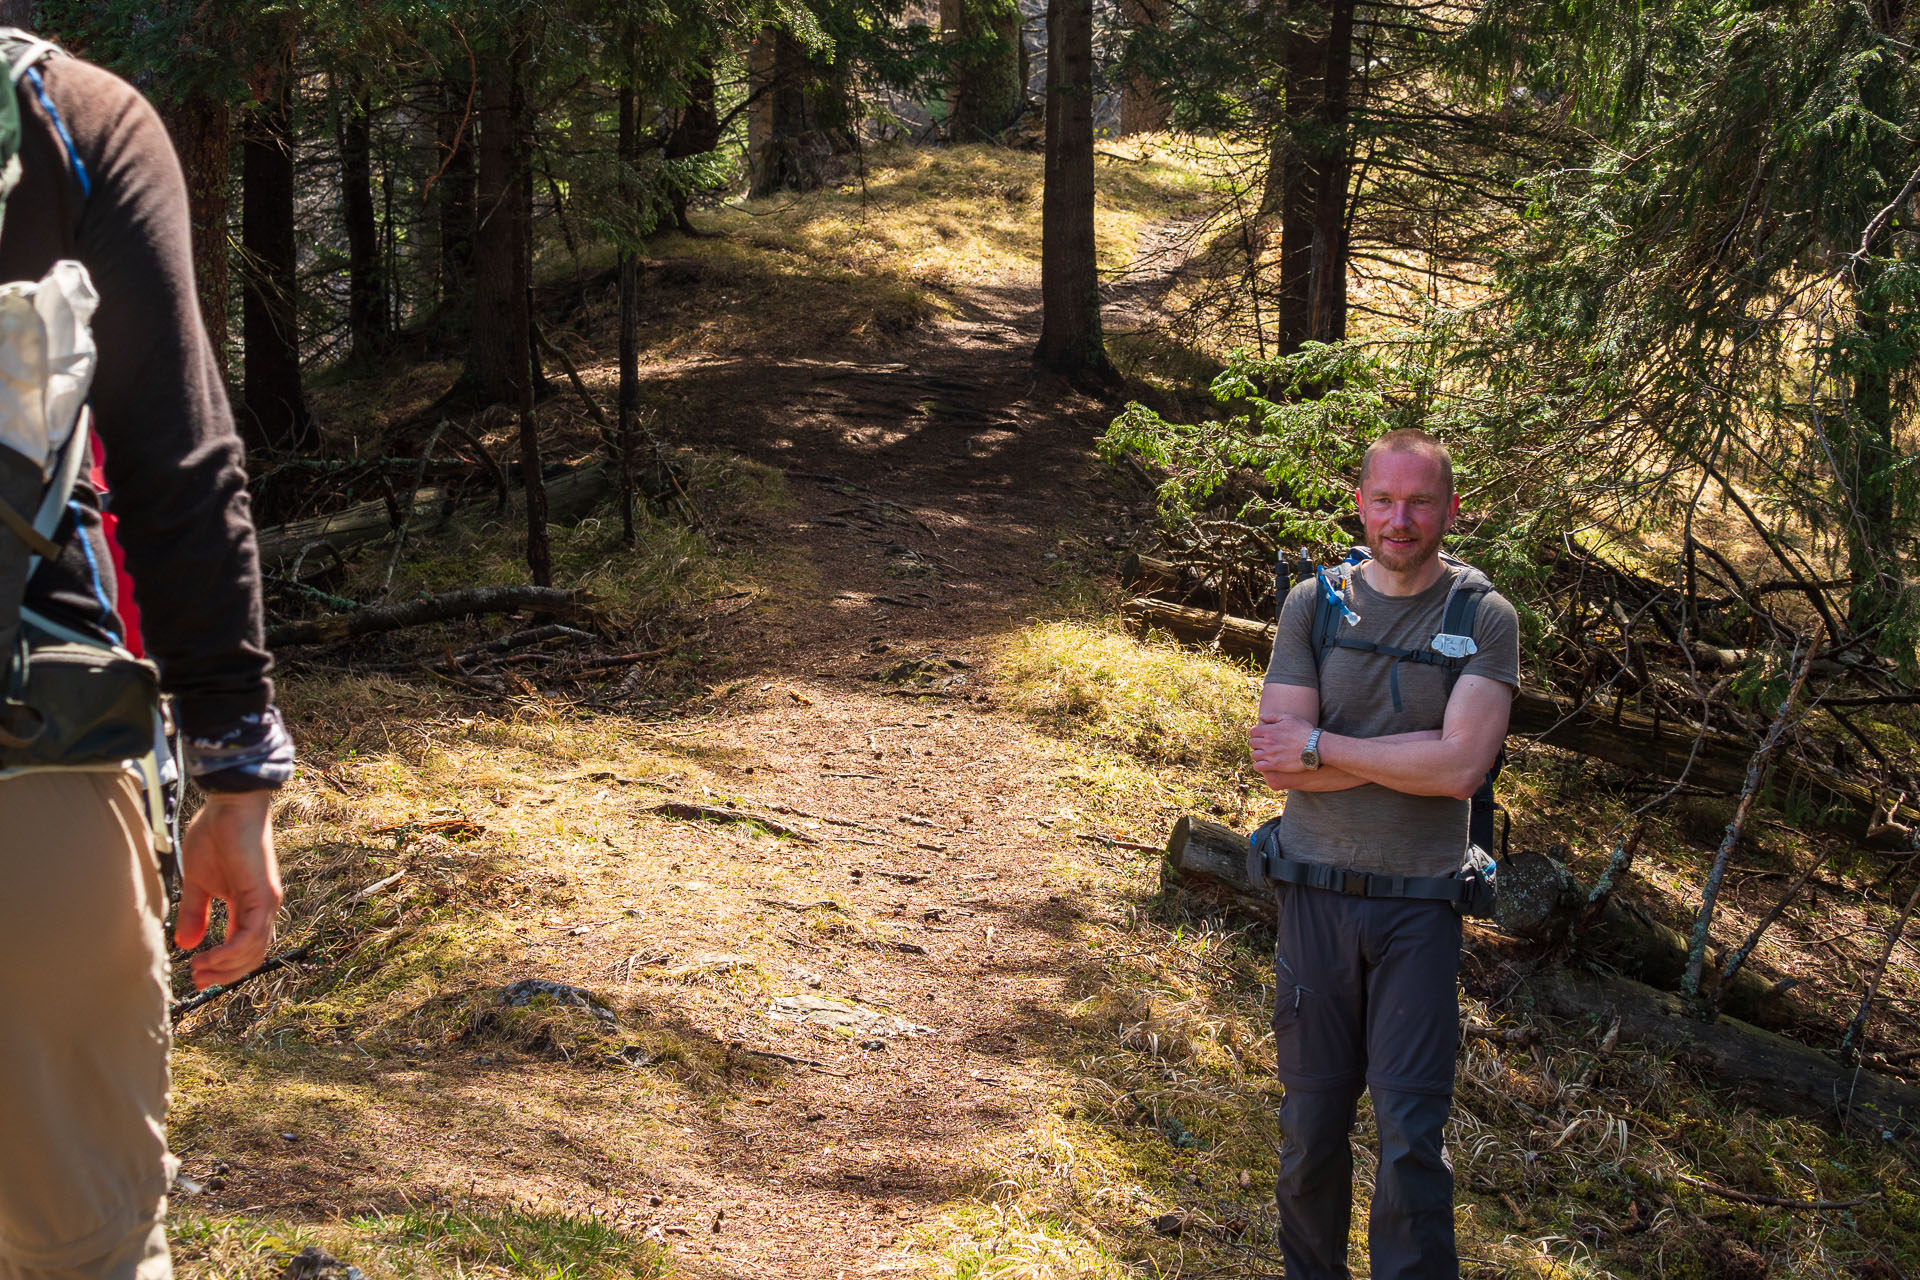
<point>1070,338</point>
<point>791,155</point>
<point>201,127</point>
<point>629,271</point>
<point>274,405</point>
<point>695,132</point>
<point>987,93</point>
<point>1310,171</point>
<point>520,161</point>
<point>366,282</point>
<point>16,13</point>
<point>1141,109</point>
<point>455,189</point>
<point>497,359</point>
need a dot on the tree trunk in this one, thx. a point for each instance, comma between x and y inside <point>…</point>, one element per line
<point>791,155</point>
<point>1307,182</point>
<point>520,161</point>
<point>201,127</point>
<point>1141,109</point>
<point>1863,440</point>
<point>497,360</point>
<point>366,282</point>
<point>274,407</point>
<point>455,190</point>
<point>987,93</point>
<point>695,132</point>
<point>16,13</point>
<point>629,270</point>
<point>1070,339</point>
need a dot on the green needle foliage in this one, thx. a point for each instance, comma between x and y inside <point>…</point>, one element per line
<point>1722,290</point>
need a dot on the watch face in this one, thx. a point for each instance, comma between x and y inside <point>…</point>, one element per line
<point>1310,758</point>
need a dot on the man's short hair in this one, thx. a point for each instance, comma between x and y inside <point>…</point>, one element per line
<point>1409,440</point>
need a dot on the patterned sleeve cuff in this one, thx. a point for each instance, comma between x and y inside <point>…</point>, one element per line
<point>254,754</point>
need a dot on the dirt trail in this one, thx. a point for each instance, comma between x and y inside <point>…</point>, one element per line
<point>930,885</point>
<point>930,495</point>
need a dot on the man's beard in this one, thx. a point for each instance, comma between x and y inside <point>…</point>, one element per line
<point>1408,559</point>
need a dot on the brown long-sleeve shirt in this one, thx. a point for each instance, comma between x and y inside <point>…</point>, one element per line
<point>173,462</point>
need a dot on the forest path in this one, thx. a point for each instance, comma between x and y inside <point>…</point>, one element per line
<point>928,890</point>
<point>931,494</point>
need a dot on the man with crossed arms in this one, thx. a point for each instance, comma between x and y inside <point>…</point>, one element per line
<point>1379,780</point>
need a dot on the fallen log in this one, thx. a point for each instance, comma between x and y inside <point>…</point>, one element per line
<point>568,496</point>
<point>1628,739</point>
<point>1538,902</point>
<point>1209,861</point>
<point>1769,1070</point>
<point>467,603</point>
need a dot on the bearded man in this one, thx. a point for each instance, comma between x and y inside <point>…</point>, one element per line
<point>1379,735</point>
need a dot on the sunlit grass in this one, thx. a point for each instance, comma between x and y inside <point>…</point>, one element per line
<point>963,215</point>
<point>467,1241</point>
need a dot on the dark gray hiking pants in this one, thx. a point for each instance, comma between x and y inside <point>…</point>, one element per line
<point>1367,998</point>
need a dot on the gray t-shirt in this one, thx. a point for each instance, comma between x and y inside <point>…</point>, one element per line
<point>1371,827</point>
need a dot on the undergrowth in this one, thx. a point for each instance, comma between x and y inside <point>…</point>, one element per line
<point>521,1241</point>
<point>960,215</point>
<point>1574,1155</point>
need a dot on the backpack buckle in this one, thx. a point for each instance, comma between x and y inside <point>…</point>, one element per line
<point>1454,646</point>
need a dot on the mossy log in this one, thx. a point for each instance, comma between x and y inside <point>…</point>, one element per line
<point>1210,862</point>
<point>1632,741</point>
<point>1539,902</point>
<point>568,496</point>
<point>1769,1070</point>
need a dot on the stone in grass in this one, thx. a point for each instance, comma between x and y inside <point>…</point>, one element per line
<point>527,990</point>
<point>843,1016</point>
<point>315,1263</point>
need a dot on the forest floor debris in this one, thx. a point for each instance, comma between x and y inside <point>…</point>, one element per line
<point>1094,1098</point>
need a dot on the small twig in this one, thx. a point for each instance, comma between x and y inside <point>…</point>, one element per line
<point>815,1063</point>
<point>284,960</point>
<point>1756,770</point>
<point>363,894</point>
<point>493,466</point>
<point>1745,949</point>
<point>707,813</point>
<point>573,376</point>
<point>406,521</point>
<point>1856,1030</point>
<point>1094,837</point>
<point>1774,1202</point>
<point>1603,889</point>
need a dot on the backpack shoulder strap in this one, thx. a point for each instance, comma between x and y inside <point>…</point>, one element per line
<point>22,51</point>
<point>1330,605</point>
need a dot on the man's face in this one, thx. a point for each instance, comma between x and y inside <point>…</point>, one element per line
<point>1406,508</point>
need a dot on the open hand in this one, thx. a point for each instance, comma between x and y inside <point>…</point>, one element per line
<point>227,853</point>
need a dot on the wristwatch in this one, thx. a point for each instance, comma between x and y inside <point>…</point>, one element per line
<point>1310,758</point>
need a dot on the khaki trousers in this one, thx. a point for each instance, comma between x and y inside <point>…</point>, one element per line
<point>84,1032</point>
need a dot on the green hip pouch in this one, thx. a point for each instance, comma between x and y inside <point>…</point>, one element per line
<point>74,705</point>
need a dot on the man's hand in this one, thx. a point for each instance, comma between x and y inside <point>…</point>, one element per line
<point>227,853</point>
<point>1278,743</point>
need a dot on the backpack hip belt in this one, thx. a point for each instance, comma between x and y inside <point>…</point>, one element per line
<point>1469,891</point>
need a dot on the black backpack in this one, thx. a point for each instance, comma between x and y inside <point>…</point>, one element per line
<point>1449,650</point>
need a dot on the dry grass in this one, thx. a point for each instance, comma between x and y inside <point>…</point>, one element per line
<point>1570,1160</point>
<point>967,215</point>
<point>548,1242</point>
<point>1150,699</point>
